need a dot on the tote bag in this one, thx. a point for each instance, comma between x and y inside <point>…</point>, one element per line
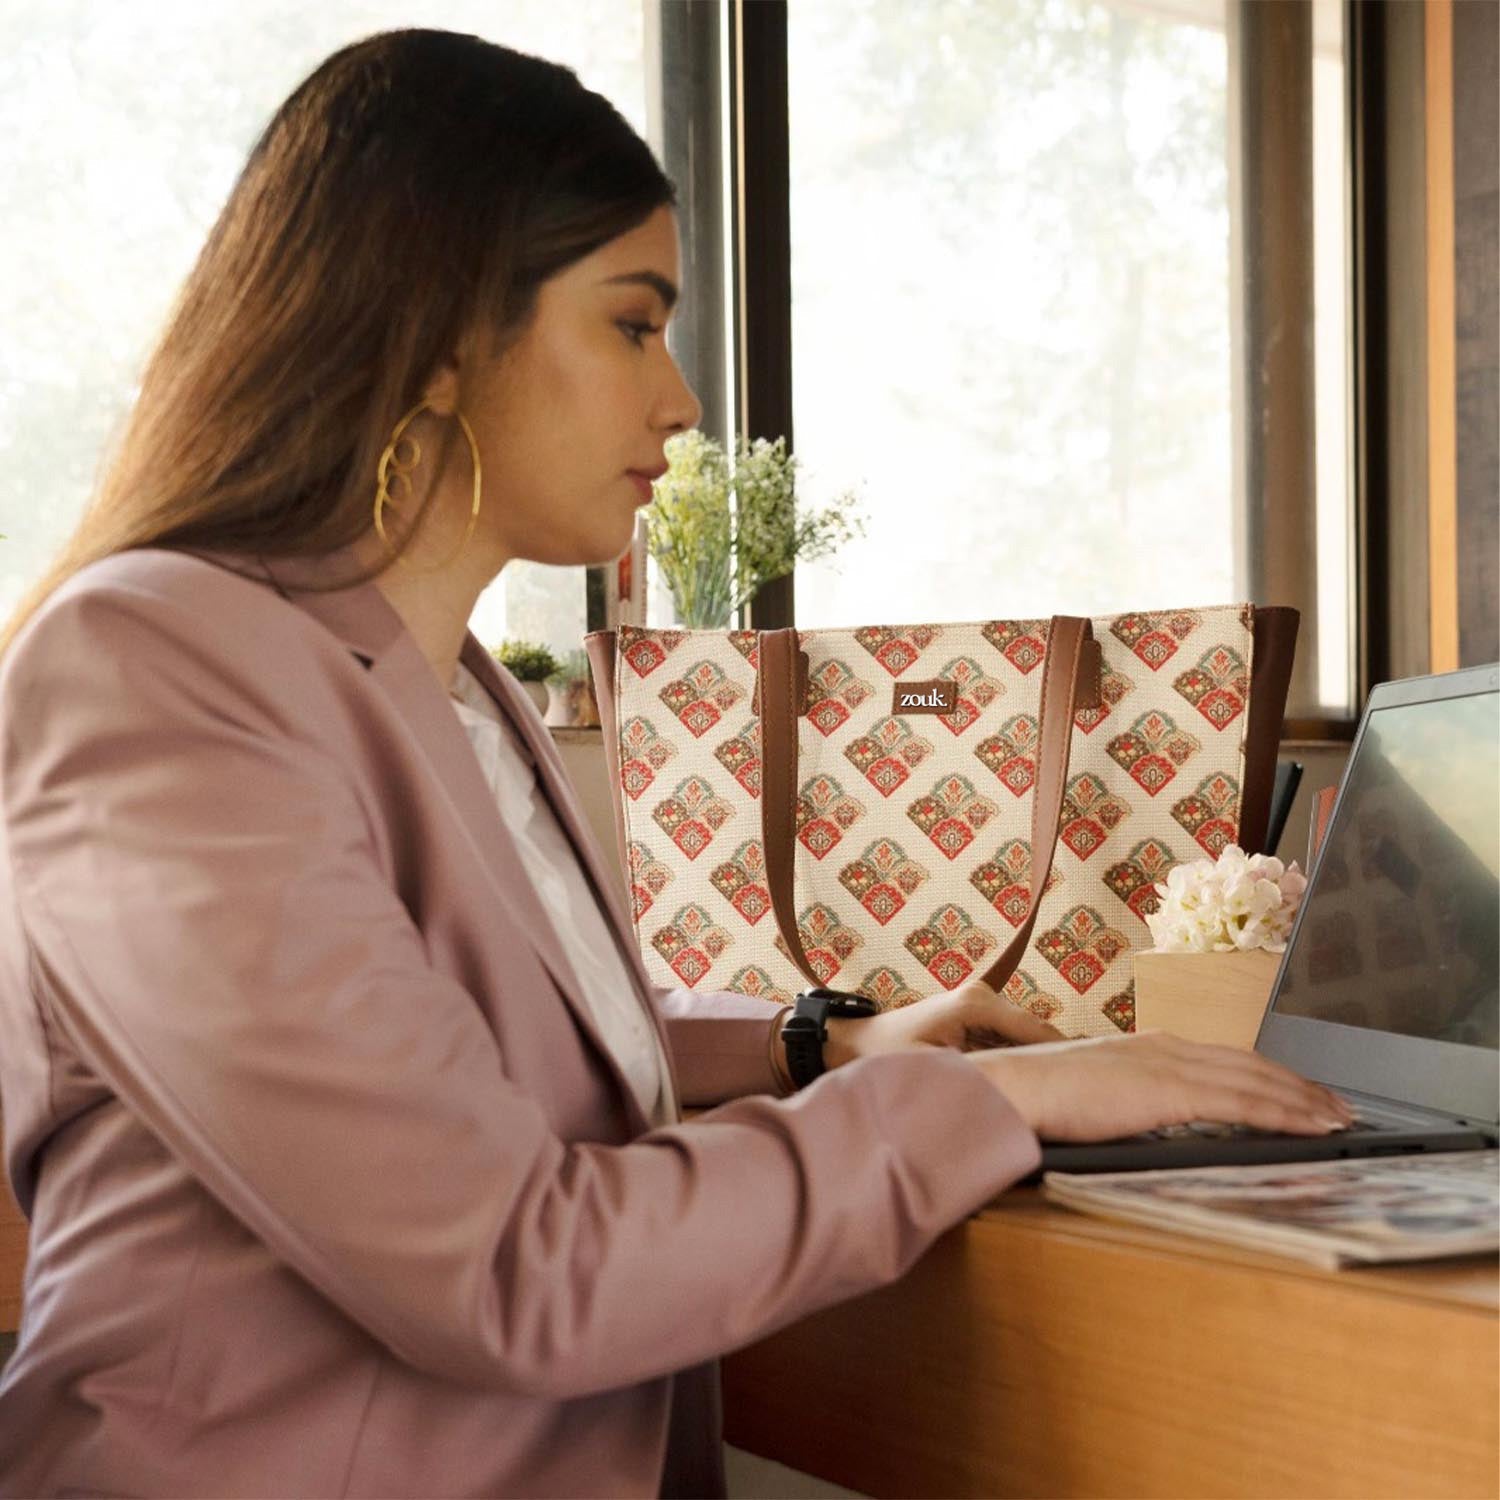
<point>893,809</point>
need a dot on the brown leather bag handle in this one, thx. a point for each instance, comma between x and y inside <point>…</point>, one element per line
<point>1070,681</point>
<point>780,693</point>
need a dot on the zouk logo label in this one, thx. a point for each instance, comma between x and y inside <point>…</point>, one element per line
<point>937,696</point>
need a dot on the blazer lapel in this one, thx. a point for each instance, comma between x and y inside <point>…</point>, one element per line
<point>370,627</point>
<point>540,749</point>
<point>552,776</point>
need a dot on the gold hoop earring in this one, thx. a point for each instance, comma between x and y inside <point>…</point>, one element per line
<point>391,466</point>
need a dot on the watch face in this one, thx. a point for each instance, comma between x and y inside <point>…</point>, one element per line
<point>841,1002</point>
<point>852,1005</point>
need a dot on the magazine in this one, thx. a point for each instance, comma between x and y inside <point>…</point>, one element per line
<point>1332,1213</point>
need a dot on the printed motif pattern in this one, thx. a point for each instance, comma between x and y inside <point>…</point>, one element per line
<point>825,813</point>
<point>976,691</point>
<point>951,814</point>
<point>1011,754</point>
<point>690,943</point>
<point>1005,880</point>
<point>649,877</point>
<point>702,697</point>
<point>692,815</point>
<point>1113,686</point>
<point>1218,686</point>
<point>1153,750</point>
<point>882,879</point>
<point>1211,814</point>
<point>835,693</point>
<point>1022,989</point>
<point>740,756</point>
<point>1133,879</point>
<point>1154,638</point>
<point>827,942</point>
<point>643,752</point>
<point>1090,813</point>
<point>912,846</point>
<point>949,946</point>
<point>1081,947</point>
<point>741,881</point>
<point>888,754</point>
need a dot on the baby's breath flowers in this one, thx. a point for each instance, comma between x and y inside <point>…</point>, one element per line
<point>1235,905</point>
<point>718,531</point>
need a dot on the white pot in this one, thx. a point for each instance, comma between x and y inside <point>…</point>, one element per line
<point>537,692</point>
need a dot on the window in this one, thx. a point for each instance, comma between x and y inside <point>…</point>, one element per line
<point>1013,313</point>
<point>1010,305</point>
<point>122,129</point>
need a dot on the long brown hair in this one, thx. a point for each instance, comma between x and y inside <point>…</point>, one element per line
<point>407,200</point>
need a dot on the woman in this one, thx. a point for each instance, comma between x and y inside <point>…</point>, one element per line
<point>344,1113</point>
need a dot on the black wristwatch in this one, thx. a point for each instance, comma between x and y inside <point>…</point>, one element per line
<point>804,1032</point>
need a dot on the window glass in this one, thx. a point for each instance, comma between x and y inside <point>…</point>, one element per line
<point>1010,300</point>
<point>1011,308</point>
<point>122,129</point>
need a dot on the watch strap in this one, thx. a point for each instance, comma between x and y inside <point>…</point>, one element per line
<point>805,1030</point>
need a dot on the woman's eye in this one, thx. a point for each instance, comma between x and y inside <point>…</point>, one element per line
<point>636,332</point>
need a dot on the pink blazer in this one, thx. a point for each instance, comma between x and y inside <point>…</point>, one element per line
<point>333,1187</point>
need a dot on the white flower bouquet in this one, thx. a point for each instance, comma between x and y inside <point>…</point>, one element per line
<point>1236,904</point>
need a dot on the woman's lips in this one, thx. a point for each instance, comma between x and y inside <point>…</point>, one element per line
<point>642,485</point>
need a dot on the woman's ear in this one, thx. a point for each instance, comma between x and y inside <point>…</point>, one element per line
<point>441,393</point>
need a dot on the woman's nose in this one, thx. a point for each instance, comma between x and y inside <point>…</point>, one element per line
<point>679,408</point>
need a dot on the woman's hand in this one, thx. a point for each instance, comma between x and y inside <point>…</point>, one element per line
<point>1116,1086</point>
<point>971,1016</point>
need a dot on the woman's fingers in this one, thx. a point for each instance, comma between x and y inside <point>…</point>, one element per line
<point>1247,1074</point>
<point>1223,1102</point>
<point>1264,1076</point>
<point>1240,1088</point>
<point>990,1020</point>
<point>1109,1087</point>
<point>1008,1031</point>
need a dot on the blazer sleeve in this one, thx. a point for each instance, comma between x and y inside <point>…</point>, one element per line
<point>721,1043</point>
<point>212,930</point>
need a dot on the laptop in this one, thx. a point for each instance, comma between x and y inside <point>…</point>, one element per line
<point>1389,989</point>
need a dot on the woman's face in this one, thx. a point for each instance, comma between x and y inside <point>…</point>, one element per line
<point>571,421</point>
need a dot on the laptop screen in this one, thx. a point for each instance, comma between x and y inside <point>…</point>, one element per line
<point>1401,931</point>
<point>1389,985</point>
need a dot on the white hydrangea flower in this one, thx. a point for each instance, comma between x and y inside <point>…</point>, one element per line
<point>1236,904</point>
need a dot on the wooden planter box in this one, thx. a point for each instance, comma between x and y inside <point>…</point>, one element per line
<point>1204,997</point>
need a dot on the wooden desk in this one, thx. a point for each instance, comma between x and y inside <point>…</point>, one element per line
<point>13,1232</point>
<point>1036,1352</point>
